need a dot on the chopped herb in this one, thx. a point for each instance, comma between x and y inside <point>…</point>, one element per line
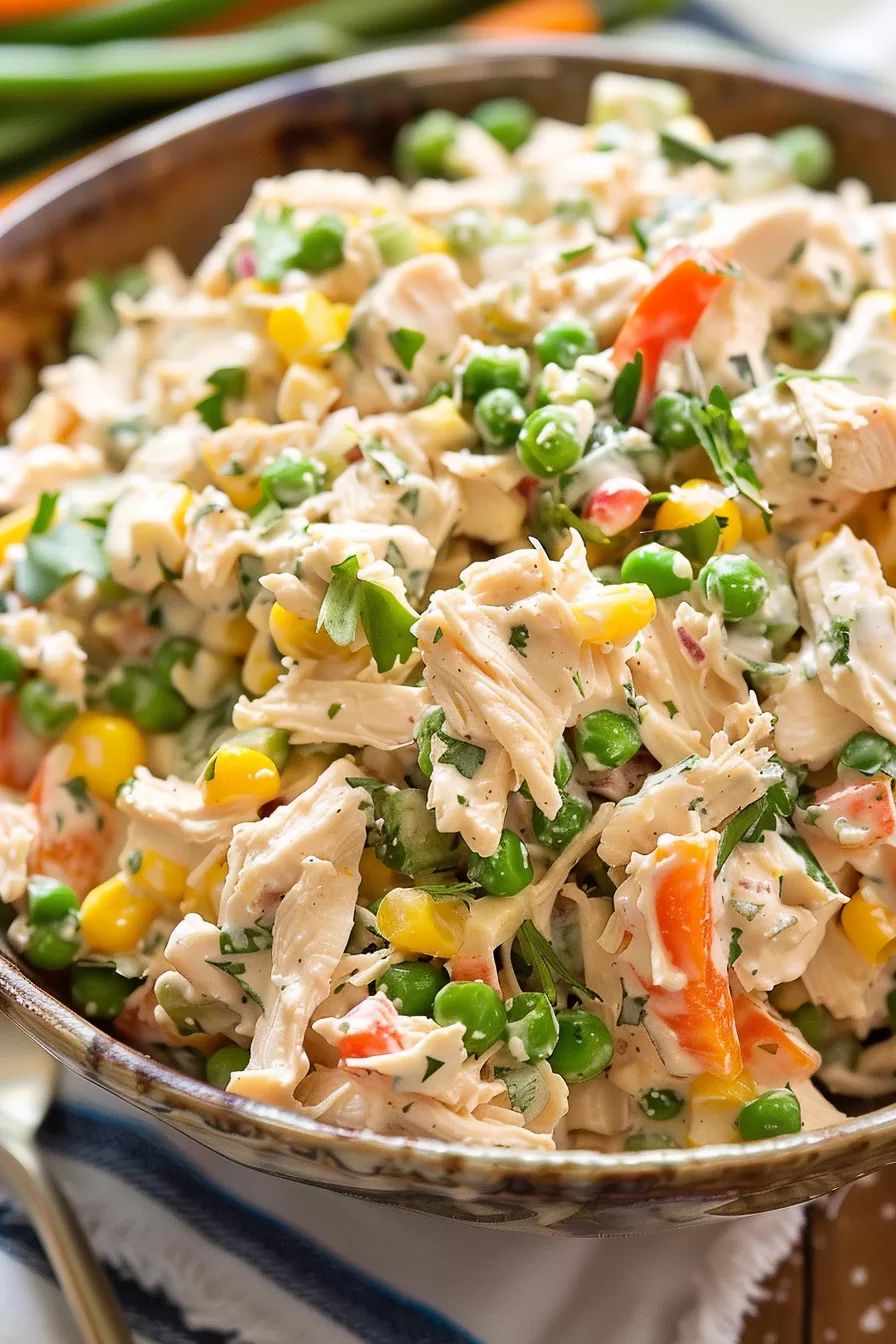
<point>410,500</point>
<point>722,438</point>
<point>333,711</point>
<point>697,541</point>
<point>540,955</point>
<point>810,863</point>
<point>45,509</point>
<point>406,343</point>
<point>227,383</point>
<point>577,682</point>
<point>447,891</point>
<point>747,909</point>
<point>387,625</point>
<point>133,861</point>
<point>680,151</point>
<point>389,463</point>
<point>633,1010</point>
<point>637,228</point>
<point>519,638</point>
<point>438,634</point>
<point>275,243</point>
<point>462,800</point>
<point>256,938</point>
<point>671,708</point>
<point>432,1066</point>
<point>394,556</point>
<point>522,1086</point>
<point>365,782</point>
<point>837,636</point>
<point>341,606</point>
<point>740,827</point>
<point>350,346</point>
<point>465,757</point>
<point>237,969</point>
<point>76,788</point>
<point>53,557</point>
<point>734,947</point>
<point>743,368</point>
<point>626,389</point>
<point>784,373</point>
<point>576,253</point>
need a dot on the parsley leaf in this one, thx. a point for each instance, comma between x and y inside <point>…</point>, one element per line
<point>785,374</point>
<point>341,607</point>
<point>386,621</point>
<point>45,509</point>
<point>540,955</point>
<point>275,244</point>
<point>671,708</point>
<point>432,1066</point>
<point>333,710</point>
<point>519,638</point>
<point>679,151</point>
<point>52,558</point>
<point>633,1010</point>
<point>466,757</point>
<point>810,863</point>
<point>739,827</point>
<point>406,343</point>
<point>734,947</point>
<point>722,438</point>
<point>229,382</point>
<point>626,389</point>
<point>837,636</point>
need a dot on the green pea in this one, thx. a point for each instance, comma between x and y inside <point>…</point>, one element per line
<point>291,479</point>
<point>666,572</point>
<point>477,1007</point>
<point>491,366</point>
<point>220,1066</point>
<point>499,417</point>
<point>99,991</point>
<point>429,725</point>
<point>606,738</point>
<point>672,428</point>
<point>507,120</point>
<point>505,872</point>
<point>321,245</point>
<point>412,986</point>
<point>154,707</point>
<point>44,710</point>
<point>775,1112</point>
<point>733,585</point>
<point>814,1022</point>
<point>869,754</point>
<point>532,1021</point>
<point>395,240</point>
<point>584,1047</point>
<point>809,153</point>
<point>49,900</point>
<point>50,950</point>
<point>12,673</point>
<point>563,342</point>
<point>549,441</point>
<point>660,1103</point>
<point>177,649</point>
<point>563,768</point>
<point>468,233</point>
<point>422,147</point>
<point>557,833</point>
<point>644,1142</point>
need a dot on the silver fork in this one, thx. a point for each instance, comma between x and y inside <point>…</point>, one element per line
<point>28,1080</point>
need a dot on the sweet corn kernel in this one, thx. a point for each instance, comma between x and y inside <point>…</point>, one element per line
<point>617,614</point>
<point>309,328</point>
<point>441,427</point>
<point>114,918</point>
<point>754,529</point>
<point>714,1107</point>
<point>241,489</point>
<point>226,634</point>
<point>695,500</point>
<point>158,874</point>
<point>240,772</point>
<point>493,920</point>
<point>297,637</point>
<point>260,668</point>
<point>15,526</point>
<point>376,878</point>
<point>426,238</point>
<point>413,921</point>
<point>306,393</point>
<point>106,751</point>
<point>871,928</point>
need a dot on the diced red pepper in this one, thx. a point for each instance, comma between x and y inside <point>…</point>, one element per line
<point>774,1051</point>
<point>700,1016</point>
<point>370,1028</point>
<point>686,282</point>
<point>616,505</point>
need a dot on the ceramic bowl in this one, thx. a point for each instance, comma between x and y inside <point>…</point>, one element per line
<point>177,182</point>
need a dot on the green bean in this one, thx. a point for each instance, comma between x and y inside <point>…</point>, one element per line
<point>178,67</point>
<point>116,20</point>
<point>361,18</point>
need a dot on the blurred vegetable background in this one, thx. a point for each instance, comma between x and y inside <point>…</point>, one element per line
<point>72,73</point>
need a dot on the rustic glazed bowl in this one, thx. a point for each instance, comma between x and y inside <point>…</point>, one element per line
<point>177,182</point>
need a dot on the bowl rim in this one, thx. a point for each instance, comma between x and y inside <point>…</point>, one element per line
<point>73,1038</point>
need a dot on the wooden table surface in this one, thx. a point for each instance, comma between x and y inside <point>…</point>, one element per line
<point>839,1285</point>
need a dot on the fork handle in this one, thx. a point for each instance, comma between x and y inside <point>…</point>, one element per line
<point>83,1283</point>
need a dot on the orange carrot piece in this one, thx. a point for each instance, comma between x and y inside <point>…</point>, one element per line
<point>774,1051</point>
<point>700,1016</point>
<point>12,11</point>
<point>535,16</point>
<point>686,283</point>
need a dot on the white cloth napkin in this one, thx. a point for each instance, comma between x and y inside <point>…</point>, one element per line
<point>273,1262</point>
<point>202,1251</point>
